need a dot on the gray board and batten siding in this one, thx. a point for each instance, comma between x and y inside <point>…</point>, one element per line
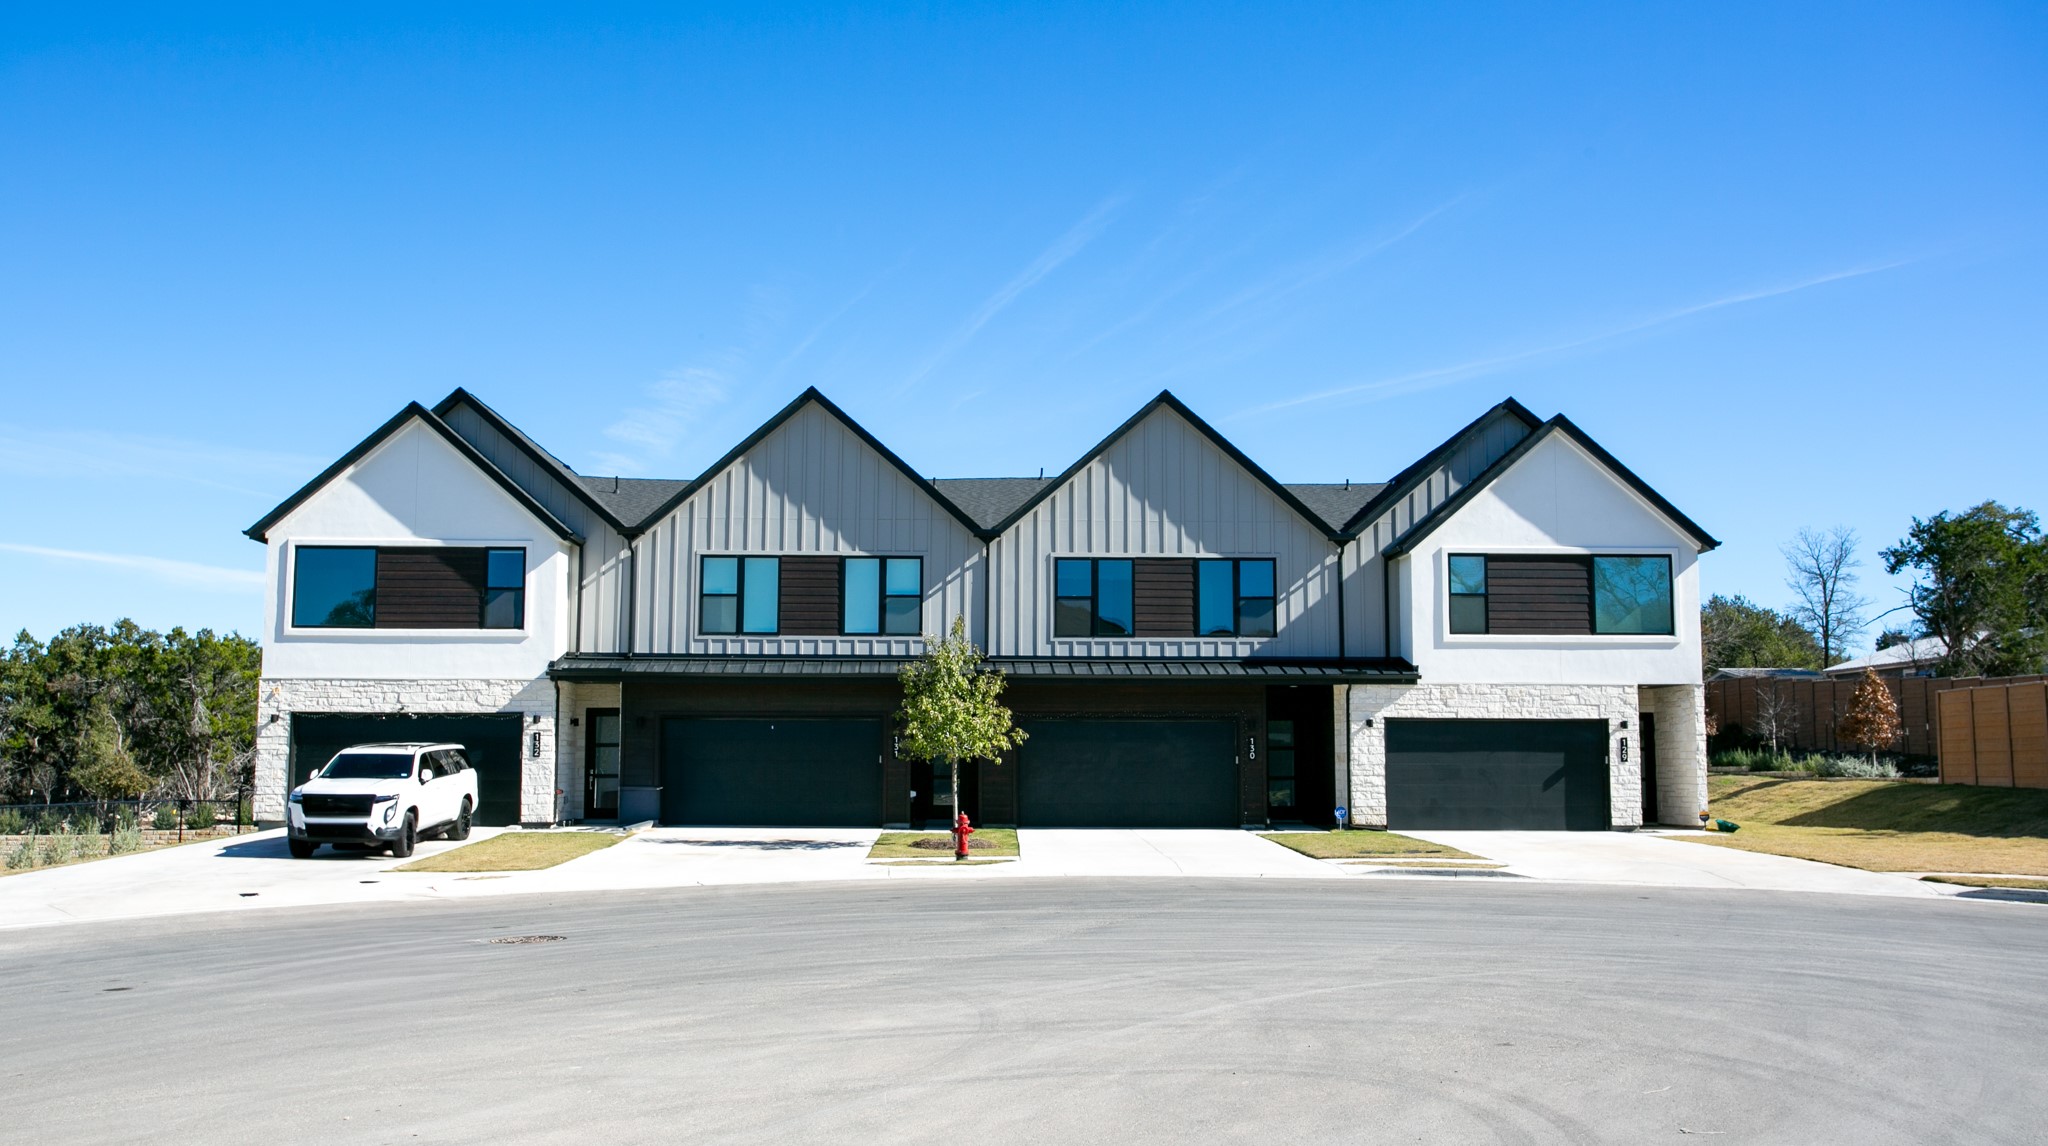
<point>1411,498</point>
<point>1163,489</point>
<point>603,572</point>
<point>810,486</point>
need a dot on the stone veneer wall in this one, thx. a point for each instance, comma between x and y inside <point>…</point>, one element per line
<point>1367,746</point>
<point>280,698</point>
<point>577,699</point>
<point>1681,751</point>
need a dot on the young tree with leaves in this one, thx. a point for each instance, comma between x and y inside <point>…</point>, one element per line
<point>1872,721</point>
<point>1822,576</point>
<point>1981,585</point>
<point>952,708</point>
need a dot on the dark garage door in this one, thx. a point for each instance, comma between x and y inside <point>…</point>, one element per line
<point>1544,775</point>
<point>1128,774</point>
<point>823,773</point>
<point>492,744</point>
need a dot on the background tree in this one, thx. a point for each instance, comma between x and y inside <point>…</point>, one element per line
<point>1872,721</point>
<point>952,708</point>
<point>1821,571</point>
<point>1981,585</point>
<point>105,768</point>
<point>1777,715</point>
<point>1737,633</point>
<point>1892,638</point>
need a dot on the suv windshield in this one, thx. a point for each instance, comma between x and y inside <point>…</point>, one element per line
<point>366,766</point>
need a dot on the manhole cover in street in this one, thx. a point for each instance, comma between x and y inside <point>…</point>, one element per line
<point>529,939</point>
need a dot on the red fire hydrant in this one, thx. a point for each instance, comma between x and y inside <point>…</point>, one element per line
<point>960,833</point>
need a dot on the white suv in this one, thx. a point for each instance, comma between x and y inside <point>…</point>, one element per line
<point>383,795</point>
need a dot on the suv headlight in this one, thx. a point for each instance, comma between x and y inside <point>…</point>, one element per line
<point>390,806</point>
<point>298,795</point>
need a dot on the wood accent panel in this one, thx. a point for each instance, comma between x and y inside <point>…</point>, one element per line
<point>1539,595</point>
<point>809,596</point>
<point>1958,738</point>
<point>1993,737</point>
<point>1163,596</point>
<point>430,588</point>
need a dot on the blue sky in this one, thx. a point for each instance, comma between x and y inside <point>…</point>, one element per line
<point>1788,265</point>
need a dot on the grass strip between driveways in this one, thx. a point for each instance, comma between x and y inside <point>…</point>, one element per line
<point>984,842</point>
<point>516,851</point>
<point>1363,845</point>
<point>1884,825</point>
<point>1988,881</point>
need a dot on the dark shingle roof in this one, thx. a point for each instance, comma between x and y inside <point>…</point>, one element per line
<point>631,500</point>
<point>989,500</point>
<point>1335,503</point>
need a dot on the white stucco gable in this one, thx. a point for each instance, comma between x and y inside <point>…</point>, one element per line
<point>1558,495</point>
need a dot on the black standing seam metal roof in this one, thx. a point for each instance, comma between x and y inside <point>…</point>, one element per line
<point>587,666</point>
<point>1556,425</point>
<point>260,531</point>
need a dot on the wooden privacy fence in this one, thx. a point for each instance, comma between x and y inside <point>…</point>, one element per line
<point>1814,706</point>
<point>1995,735</point>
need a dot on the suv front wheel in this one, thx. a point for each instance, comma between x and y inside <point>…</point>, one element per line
<point>301,849</point>
<point>408,835</point>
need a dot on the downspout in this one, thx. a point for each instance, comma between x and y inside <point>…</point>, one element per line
<point>1387,605</point>
<point>1341,633</point>
<point>988,618</point>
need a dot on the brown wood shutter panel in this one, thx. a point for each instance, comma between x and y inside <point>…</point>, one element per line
<point>1163,597</point>
<point>1539,595</point>
<point>809,599</point>
<point>437,588</point>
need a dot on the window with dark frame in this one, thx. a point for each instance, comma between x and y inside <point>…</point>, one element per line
<point>334,587</point>
<point>504,604</point>
<point>1603,595</point>
<point>1468,593</point>
<point>738,596</point>
<point>1092,597</point>
<point>882,595</point>
<point>1234,598</point>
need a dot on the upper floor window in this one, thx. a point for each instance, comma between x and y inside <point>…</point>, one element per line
<point>883,595</point>
<point>408,587</point>
<point>1632,595</point>
<point>334,588</point>
<point>1468,593</point>
<point>1559,594</point>
<point>1234,598</point>
<point>739,595</point>
<point>1091,597</point>
<point>505,589</point>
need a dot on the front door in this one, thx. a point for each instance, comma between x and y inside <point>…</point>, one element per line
<point>1282,799</point>
<point>601,765</point>
<point>1648,751</point>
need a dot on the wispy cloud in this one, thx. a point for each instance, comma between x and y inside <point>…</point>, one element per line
<point>1065,247</point>
<point>1459,372</point>
<point>674,406</point>
<point>188,573</point>
<point>838,313</point>
<point>73,453</point>
<point>1328,266</point>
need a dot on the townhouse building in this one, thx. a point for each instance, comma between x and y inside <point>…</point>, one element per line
<point>1504,634</point>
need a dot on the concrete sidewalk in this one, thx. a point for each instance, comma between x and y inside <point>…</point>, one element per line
<point>1649,859</point>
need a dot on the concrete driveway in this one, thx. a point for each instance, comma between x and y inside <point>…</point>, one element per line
<point>1650,859</point>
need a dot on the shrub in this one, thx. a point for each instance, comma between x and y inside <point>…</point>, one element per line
<point>1753,760</point>
<point>245,812</point>
<point>23,855</point>
<point>59,848</point>
<point>126,838</point>
<point>49,822</point>
<point>166,818</point>
<point>201,816</point>
<point>86,822</point>
<point>12,822</point>
<point>125,817</point>
<point>1859,767</point>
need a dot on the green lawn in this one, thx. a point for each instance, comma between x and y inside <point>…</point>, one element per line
<point>939,845</point>
<point>1885,825</point>
<point>517,851</point>
<point>1362,845</point>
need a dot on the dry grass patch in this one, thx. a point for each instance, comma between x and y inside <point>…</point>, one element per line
<point>937,845</point>
<point>1884,825</point>
<point>1435,863</point>
<point>516,851</point>
<point>1362,844</point>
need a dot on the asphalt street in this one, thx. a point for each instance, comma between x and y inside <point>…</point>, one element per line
<point>1131,1011</point>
